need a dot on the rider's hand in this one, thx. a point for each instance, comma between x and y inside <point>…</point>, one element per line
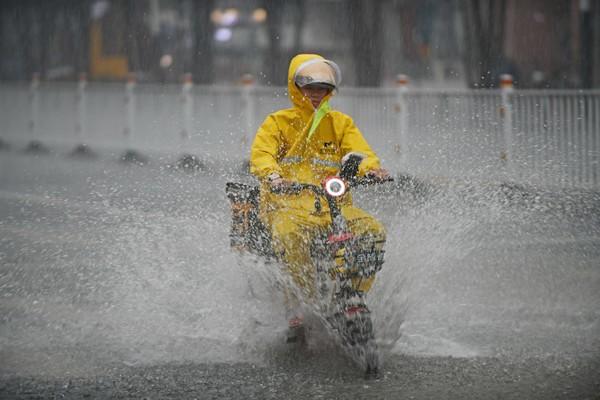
<point>378,174</point>
<point>277,183</point>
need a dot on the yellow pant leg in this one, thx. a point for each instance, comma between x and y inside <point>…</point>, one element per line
<point>362,223</point>
<point>371,232</point>
<point>292,233</point>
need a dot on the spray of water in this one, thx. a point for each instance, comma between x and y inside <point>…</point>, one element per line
<point>490,269</point>
<point>106,264</point>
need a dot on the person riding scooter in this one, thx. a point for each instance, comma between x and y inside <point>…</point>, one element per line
<point>307,143</point>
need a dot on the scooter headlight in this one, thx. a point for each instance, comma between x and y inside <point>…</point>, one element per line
<point>335,187</point>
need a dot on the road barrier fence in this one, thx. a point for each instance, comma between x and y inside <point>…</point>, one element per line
<point>549,137</point>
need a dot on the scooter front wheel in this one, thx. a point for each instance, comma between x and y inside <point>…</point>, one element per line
<point>359,338</point>
<point>371,360</point>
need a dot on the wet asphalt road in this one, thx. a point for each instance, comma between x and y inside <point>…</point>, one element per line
<point>313,377</point>
<point>88,310</point>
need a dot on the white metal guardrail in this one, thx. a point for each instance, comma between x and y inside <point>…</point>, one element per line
<point>549,137</point>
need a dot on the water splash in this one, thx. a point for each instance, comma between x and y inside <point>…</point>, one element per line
<point>104,264</point>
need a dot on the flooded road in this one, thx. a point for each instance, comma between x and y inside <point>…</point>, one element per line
<point>312,378</point>
<point>117,281</point>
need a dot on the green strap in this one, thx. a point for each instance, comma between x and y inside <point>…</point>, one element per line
<point>323,109</point>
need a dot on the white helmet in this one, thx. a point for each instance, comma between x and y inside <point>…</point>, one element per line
<point>318,72</point>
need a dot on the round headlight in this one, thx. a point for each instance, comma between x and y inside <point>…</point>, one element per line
<point>335,187</point>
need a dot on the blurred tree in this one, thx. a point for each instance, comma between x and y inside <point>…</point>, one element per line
<point>46,37</point>
<point>586,43</point>
<point>16,39</point>
<point>596,45</point>
<point>46,14</point>
<point>80,34</point>
<point>203,53</point>
<point>415,20</point>
<point>484,28</point>
<point>275,64</point>
<point>366,33</point>
<point>134,17</point>
<point>298,16</point>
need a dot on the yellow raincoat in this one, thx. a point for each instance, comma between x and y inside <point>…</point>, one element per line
<point>288,143</point>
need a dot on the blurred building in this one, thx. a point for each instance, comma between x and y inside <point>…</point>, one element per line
<point>543,43</point>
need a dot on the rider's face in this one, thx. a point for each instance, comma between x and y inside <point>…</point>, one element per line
<point>315,94</point>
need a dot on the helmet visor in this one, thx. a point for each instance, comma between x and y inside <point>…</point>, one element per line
<point>318,72</point>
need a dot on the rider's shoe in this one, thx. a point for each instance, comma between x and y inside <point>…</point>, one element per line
<point>295,331</point>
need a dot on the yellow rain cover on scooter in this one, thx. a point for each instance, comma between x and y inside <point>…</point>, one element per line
<point>304,144</point>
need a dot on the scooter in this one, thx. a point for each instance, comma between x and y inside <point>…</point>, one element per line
<point>338,259</point>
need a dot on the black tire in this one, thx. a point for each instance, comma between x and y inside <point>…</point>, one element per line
<point>371,360</point>
<point>360,339</point>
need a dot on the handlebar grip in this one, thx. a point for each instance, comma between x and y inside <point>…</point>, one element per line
<point>372,180</point>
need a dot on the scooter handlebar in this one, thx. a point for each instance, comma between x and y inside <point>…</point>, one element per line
<point>296,187</point>
<point>370,180</point>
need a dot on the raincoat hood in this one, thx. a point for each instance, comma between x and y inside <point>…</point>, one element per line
<point>308,62</point>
